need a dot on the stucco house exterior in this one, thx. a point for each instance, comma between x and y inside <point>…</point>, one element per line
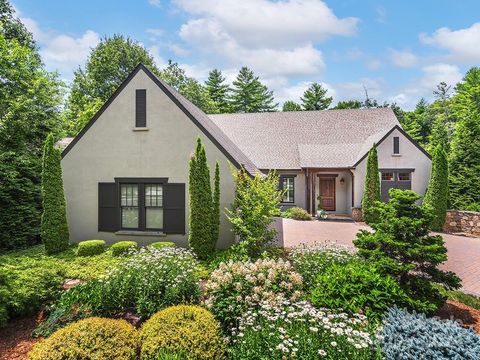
<point>126,173</point>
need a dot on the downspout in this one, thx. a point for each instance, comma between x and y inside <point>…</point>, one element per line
<point>307,190</point>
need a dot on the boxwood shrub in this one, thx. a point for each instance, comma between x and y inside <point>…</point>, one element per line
<point>123,247</point>
<point>92,338</point>
<point>162,244</point>
<point>297,213</point>
<point>185,331</point>
<point>414,336</point>
<point>91,247</point>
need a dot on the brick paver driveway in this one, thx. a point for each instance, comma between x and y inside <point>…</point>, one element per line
<point>463,252</point>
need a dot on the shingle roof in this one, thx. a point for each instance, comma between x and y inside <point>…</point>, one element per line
<point>292,140</point>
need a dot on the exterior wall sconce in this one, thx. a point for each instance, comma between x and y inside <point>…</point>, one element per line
<point>342,181</point>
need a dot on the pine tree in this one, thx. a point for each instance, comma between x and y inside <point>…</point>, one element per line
<point>216,204</point>
<point>218,90</point>
<point>371,192</point>
<point>54,226</point>
<point>249,94</point>
<point>315,98</point>
<point>401,246</point>
<point>437,193</point>
<point>290,105</point>
<point>439,135</point>
<point>200,219</point>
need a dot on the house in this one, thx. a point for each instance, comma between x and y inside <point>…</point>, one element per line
<point>126,173</point>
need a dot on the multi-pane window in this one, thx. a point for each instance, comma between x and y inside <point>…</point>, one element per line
<point>287,183</point>
<point>129,206</point>
<point>153,206</point>
<point>387,176</point>
<point>404,176</point>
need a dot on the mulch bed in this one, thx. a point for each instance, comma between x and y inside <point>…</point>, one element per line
<point>16,339</point>
<point>468,316</point>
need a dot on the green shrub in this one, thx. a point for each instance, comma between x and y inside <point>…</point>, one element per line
<point>236,286</point>
<point>90,247</point>
<point>123,247</point>
<point>297,213</point>
<point>401,246</point>
<point>92,338</point>
<point>312,259</point>
<point>189,331</point>
<point>299,331</point>
<point>161,244</point>
<point>54,227</point>
<point>147,282</point>
<point>414,336</point>
<point>357,286</point>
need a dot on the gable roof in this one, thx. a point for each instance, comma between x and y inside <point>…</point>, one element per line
<point>299,139</point>
<point>199,118</point>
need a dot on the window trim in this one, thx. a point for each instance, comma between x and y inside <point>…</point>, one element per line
<point>396,145</point>
<point>140,182</point>
<point>121,206</point>
<point>292,177</point>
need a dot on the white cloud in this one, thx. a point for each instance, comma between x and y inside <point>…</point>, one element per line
<point>154,50</point>
<point>436,73</point>
<point>403,58</point>
<point>154,3</point>
<point>356,89</point>
<point>381,14</point>
<point>462,44</point>
<point>373,64</point>
<point>155,32</point>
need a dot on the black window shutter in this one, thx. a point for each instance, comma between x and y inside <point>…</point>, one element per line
<point>174,208</point>
<point>140,108</point>
<point>108,208</point>
<point>396,145</point>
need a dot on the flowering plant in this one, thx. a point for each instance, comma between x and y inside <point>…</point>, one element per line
<point>237,286</point>
<point>299,331</point>
<point>311,260</point>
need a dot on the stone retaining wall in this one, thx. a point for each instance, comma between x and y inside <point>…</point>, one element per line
<point>466,222</point>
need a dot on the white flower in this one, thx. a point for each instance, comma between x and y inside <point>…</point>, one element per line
<point>333,343</point>
<point>322,352</point>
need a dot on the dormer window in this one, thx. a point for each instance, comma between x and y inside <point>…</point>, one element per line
<point>141,108</point>
<point>396,145</point>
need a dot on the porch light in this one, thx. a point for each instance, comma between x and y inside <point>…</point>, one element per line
<point>342,180</point>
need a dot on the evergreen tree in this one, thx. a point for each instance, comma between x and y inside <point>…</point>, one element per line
<point>439,135</point>
<point>249,94</point>
<point>200,220</point>
<point>437,193</point>
<point>348,104</point>
<point>315,98</point>
<point>290,105</point>
<point>401,246</point>
<point>216,204</point>
<point>371,192</point>
<point>54,227</point>
<point>419,122</point>
<point>218,90</point>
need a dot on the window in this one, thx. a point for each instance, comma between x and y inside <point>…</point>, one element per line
<point>129,206</point>
<point>153,206</point>
<point>141,206</point>
<point>396,145</point>
<point>140,108</point>
<point>287,183</point>
<point>404,176</point>
<point>387,176</point>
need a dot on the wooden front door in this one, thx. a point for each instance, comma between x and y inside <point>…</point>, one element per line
<point>327,193</point>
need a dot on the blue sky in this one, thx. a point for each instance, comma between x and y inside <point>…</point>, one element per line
<point>398,50</point>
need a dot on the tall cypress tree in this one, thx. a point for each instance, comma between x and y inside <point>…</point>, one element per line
<point>249,94</point>
<point>371,192</point>
<point>218,90</point>
<point>437,192</point>
<point>54,227</point>
<point>216,204</point>
<point>200,219</point>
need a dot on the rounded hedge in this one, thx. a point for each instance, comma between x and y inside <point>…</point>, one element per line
<point>90,247</point>
<point>92,338</point>
<point>162,244</point>
<point>122,247</point>
<point>184,330</point>
<point>297,213</point>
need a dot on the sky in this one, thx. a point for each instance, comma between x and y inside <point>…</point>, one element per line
<point>398,50</point>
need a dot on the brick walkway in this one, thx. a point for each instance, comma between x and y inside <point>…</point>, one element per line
<point>463,252</point>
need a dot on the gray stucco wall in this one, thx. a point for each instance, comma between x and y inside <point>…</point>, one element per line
<point>410,157</point>
<point>111,148</point>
